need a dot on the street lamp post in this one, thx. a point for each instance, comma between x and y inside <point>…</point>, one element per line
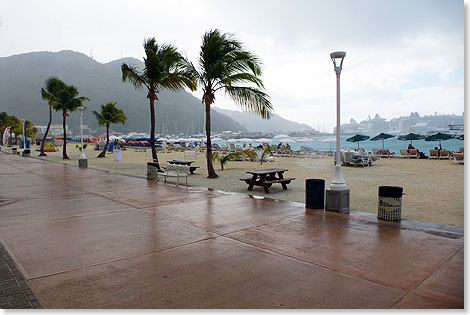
<point>338,181</point>
<point>337,197</point>
<point>82,160</point>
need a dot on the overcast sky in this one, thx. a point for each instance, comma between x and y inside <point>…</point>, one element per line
<point>402,55</point>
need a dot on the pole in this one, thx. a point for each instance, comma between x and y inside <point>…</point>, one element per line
<point>24,134</point>
<point>338,181</point>
<point>82,155</point>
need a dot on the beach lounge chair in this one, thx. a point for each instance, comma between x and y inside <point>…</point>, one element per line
<point>360,161</point>
<point>444,155</point>
<point>458,158</point>
<point>461,149</point>
<point>433,154</point>
<point>413,153</point>
<point>386,153</point>
<point>403,153</point>
<point>376,152</point>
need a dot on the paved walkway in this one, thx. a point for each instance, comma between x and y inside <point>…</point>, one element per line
<point>85,238</point>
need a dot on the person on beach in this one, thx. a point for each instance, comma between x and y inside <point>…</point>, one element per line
<point>410,147</point>
<point>288,146</point>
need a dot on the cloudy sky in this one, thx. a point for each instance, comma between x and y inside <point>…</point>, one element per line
<point>402,55</point>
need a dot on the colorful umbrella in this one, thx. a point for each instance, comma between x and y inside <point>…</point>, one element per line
<point>357,138</point>
<point>382,136</point>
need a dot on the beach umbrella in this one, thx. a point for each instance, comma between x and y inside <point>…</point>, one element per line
<point>329,140</point>
<point>411,136</point>
<point>287,140</point>
<point>280,136</point>
<point>263,140</point>
<point>216,139</point>
<point>305,140</point>
<point>439,137</point>
<point>382,136</point>
<point>357,138</point>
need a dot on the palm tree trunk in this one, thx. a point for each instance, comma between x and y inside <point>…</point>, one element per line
<point>210,168</point>
<point>45,134</point>
<point>103,153</point>
<point>152,132</point>
<point>64,149</point>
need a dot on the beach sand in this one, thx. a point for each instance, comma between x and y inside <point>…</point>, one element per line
<point>434,189</point>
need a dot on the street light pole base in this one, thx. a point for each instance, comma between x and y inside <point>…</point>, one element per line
<point>337,200</point>
<point>338,181</point>
<point>83,163</point>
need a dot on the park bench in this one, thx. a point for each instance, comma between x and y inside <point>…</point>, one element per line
<point>172,170</point>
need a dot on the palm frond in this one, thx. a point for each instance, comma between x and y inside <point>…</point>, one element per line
<point>251,99</point>
<point>132,75</point>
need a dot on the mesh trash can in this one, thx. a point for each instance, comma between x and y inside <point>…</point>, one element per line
<point>390,203</point>
<point>315,194</point>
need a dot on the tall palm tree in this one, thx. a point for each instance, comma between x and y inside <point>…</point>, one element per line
<point>49,94</point>
<point>109,114</point>
<point>67,101</point>
<point>164,68</point>
<point>223,65</point>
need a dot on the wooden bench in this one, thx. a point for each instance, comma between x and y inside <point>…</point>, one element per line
<point>172,170</point>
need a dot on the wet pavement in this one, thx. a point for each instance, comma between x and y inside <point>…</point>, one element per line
<point>86,238</point>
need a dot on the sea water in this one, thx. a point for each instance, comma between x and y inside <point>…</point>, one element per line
<point>393,144</point>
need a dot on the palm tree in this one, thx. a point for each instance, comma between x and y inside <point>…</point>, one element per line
<point>223,65</point>
<point>109,115</point>
<point>164,68</point>
<point>49,94</point>
<point>67,100</point>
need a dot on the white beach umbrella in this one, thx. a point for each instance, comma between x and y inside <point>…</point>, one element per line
<point>287,140</point>
<point>113,137</point>
<point>263,140</point>
<point>246,140</point>
<point>329,140</point>
<point>306,140</point>
<point>217,139</point>
<point>281,136</point>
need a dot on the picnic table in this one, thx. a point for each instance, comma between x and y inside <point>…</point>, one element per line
<point>265,178</point>
<point>182,162</point>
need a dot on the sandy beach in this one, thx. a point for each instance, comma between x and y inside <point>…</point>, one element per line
<point>434,189</point>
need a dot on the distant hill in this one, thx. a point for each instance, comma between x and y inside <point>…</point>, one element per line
<point>22,77</point>
<point>255,123</point>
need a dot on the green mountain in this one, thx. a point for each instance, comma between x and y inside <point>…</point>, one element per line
<point>22,77</point>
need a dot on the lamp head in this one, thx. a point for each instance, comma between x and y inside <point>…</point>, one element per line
<point>81,108</point>
<point>338,55</point>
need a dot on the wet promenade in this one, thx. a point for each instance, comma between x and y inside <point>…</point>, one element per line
<point>85,238</point>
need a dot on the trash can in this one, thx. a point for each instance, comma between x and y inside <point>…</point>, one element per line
<point>390,203</point>
<point>117,155</point>
<point>315,193</point>
<point>14,150</point>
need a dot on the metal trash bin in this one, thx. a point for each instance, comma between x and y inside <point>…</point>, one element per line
<point>390,203</point>
<point>315,193</point>
<point>14,150</point>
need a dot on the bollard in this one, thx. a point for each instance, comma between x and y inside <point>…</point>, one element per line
<point>152,169</point>
<point>390,203</point>
<point>315,193</point>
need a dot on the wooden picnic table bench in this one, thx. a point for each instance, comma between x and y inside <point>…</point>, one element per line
<point>187,163</point>
<point>265,178</point>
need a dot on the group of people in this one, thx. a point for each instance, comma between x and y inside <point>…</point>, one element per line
<point>421,154</point>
